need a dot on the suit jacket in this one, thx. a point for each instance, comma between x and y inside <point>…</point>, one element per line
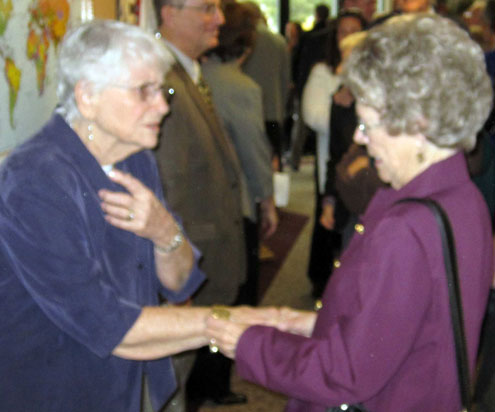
<point>201,178</point>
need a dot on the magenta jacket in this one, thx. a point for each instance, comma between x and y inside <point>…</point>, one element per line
<point>383,336</point>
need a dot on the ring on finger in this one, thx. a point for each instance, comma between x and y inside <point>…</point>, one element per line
<point>130,215</point>
<point>212,346</point>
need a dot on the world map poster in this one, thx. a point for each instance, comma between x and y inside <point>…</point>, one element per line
<point>30,32</point>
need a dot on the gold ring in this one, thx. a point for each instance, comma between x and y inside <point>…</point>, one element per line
<point>130,216</point>
<point>220,312</point>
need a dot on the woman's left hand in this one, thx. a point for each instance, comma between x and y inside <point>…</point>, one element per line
<point>225,334</point>
<point>138,211</point>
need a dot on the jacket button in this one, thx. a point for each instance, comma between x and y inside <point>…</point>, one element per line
<point>358,227</point>
<point>336,263</point>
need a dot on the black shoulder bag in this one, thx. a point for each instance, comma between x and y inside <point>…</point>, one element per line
<point>456,314</point>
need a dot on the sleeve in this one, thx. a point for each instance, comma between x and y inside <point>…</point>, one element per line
<point>352,355</point>
<point>45,238</point>
<point>195,280</point>
<point>317,97</point>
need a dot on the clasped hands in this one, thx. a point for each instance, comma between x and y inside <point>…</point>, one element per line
<point>225,325</point>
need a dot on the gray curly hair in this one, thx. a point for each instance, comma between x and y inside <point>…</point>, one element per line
<point>423,74</point>
<point>102,52</point>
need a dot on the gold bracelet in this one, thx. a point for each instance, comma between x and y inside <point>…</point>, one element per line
<point>218,312</point>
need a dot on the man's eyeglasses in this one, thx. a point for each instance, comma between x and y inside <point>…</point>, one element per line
<point>147,92</point>
<point>205,8</point>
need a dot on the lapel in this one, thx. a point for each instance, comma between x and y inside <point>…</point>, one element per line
<point>221,140</point>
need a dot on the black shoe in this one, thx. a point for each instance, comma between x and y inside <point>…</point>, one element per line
<point>230,398</point>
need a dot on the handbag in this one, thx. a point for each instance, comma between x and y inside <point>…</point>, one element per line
<point>456,313</point>
<point>455,304</point>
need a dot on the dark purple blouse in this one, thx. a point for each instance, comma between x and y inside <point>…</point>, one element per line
<point>71,285</point>
<point>383,336</point>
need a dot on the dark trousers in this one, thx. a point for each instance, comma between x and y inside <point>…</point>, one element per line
<point>325,247</point>
<point>209,378</point>
<point>210,375</point>
<point>248,294</point>
<point>275,136</point>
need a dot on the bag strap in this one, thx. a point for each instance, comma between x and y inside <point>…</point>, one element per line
<point>456,314</point>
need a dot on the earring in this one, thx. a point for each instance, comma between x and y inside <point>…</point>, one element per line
<point>420,156</point>
<point>91,136</point>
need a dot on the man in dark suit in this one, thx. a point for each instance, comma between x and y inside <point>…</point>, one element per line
<point>201,172</point>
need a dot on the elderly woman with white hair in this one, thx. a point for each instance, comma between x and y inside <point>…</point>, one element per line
<point>88,247</point>
<point>383,337</point>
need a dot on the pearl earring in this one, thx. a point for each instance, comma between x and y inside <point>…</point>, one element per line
<point>91,136</point>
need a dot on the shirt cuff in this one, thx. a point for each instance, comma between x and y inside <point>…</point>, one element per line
<point>195,280</point>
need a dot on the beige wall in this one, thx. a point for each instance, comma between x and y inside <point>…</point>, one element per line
<point>104,9</point>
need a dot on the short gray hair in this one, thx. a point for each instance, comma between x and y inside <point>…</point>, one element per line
<point>423,74</point>
<point>101,52</point>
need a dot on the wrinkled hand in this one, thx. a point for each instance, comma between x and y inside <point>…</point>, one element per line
<point>327,219</point>
<point>269,218</point>
<point>267,316</point>
<point>225,334</point>
<point>298,322</point>
<point>138,211</point>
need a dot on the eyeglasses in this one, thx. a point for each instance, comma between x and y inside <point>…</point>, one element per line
<point>147,92</point>
<point>205,8</point>
<point>365,129</point>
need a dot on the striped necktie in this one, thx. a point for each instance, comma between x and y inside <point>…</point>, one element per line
<point>205,90</point>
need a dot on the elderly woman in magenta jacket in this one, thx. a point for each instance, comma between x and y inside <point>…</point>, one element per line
<point>383,337</point>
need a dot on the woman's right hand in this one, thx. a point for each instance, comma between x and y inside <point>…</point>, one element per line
<point>138,211</point>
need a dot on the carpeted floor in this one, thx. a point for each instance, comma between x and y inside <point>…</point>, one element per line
<point>280,244</point>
